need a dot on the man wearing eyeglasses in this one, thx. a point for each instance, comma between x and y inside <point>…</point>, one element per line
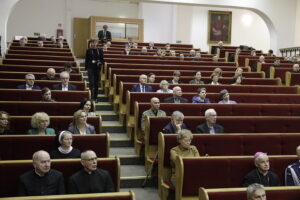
<point>90,179</point>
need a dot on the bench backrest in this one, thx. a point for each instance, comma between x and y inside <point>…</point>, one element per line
<point>31,68</point>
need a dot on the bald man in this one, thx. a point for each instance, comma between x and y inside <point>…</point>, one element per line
<point>50,75</point>
<point>262,173</point>
<point>142,86</point>
<point>42,180</point>
<point>177,96</point>
<point>90,179</point>
<point>154,111</point>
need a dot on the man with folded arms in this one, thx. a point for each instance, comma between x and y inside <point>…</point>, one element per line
<point>42,180</point>
<point>210,126</point>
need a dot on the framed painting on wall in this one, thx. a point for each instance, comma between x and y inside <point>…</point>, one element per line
<point>219,26</point>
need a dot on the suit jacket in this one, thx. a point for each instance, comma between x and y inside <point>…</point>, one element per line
<point>92,57</point>
<point>90,129</point>
<point>34,87</point>
<point>169,128</point>
<point>101,35</point>
<point>203,128</point>
<point>137,88</point>
<point>171,100</point>
<point>47,79</point>
<point>130,53</point>
<point>59,87</point>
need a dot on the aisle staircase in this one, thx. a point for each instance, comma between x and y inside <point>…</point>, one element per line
<point>132,166</point>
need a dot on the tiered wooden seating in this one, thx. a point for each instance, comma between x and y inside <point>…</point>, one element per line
<point>40,57</point>
<point>21,75</point>
<point>211,169</point>
<point>28,108</point>
<point>21,147</point>
<point>49,53</point>
<point>35,62</point>
<point>21,124</point>
<point>30,68</point>
<point>292,78</point>
<point>241,59</point>
<point>280,72</point>
<point>35,95</point>
<point>93,196</point>
<point>13,83</point>
<point>46,45</point>
<point>226,145</point>
<point>274,193</point>
<point>11,170</point>
<point>265,67</point>
<point>40,49</point>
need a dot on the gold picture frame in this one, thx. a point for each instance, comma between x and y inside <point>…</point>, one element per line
<point>219,26</point>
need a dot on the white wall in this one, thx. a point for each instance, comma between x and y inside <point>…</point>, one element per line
<point>297,27</point>
<point>44,15</point>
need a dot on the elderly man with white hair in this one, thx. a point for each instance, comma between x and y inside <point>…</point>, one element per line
<point>261,174</point>
<point>292,172</point>
<point>64,86</point>
<point>29,79</point>
<point>142,87</point>
<point>210,126</point>
<point>256,192</point>
<point>296,68</point>
<point>50,75</point>
<point>177,96</point>
<point>176,124</point>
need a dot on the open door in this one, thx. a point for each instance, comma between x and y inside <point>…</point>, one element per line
<point>81,30</point>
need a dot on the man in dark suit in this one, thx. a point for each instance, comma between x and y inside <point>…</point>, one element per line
<point>64,86</point>
<point>50,75</point>
<point>29,79</point>
<point>104,35</point>
<point>176,98</point>
<point>176,124</point>
<point>142,87</point>
<point>210,125</point>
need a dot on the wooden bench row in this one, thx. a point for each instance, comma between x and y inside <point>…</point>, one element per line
<point>40,57</point>
<point>40,49</point>
<point>21,124</point>
<point>35,62</point>
<point>21,147</point>
<point>36,52</point>
<point>31,68</point>
<point>21,75</point>
<point>11,170</point>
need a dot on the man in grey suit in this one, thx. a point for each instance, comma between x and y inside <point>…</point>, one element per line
<point>210,125</point>
<point>64,86</point>
<point>176,98</point>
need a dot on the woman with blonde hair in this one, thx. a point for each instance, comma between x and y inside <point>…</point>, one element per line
<point>79,124</point>
<point>39,123</point>
<point>64,142</point>
<point>164,87</point>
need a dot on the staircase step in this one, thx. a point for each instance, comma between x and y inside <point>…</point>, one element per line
<point>113,127</point>
<point>132,160</point>
<point>121,151</point>
<point>121,143</point>
<point>137,181</point>
<point>146,193</point>
<point>118,136</point>
<point>132,170</point>
<point>104,106</point>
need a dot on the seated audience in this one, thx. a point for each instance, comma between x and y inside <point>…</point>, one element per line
<point>181,56</point>
<point>237,80</point>
<point>270,53</point>
<point>224,97</point>
<point>50,75</point>
<point>168,47</point>
<point>210,126</point>
<point>232,56</point>
<point>42,37</point>
<point>142,87</point>
<point>86,105</point>
<point>256,191</point>
<point>197,57</point>
<point>197,79</point>
<point>184,149</point>
<point>90,179</point>
<point>151,46</point>
<point>151,78</point>
<point>176,77</point>
<point>79,124</point>
<point>29,79</point>
<point>262,173</point>
<point>292,172</point>
<point>177,96</point>
<point>176,124</point>
<point>23,41</point>
<point>261,59</point>
<point>164,87</point>
<point>130,42</point>
<point>4,123</point>
<point>59,44</point>
<point>68,68</point>
<point>127,51</point>
<point>108,43</point>
<point>104,47</point>
<point>40,43</point>
<point>214,79</point>
<point>135,45</point>
<point>60,38</point>
<point>220,46</point>
<point>46,95</point>
<point>42,180</point>
<point>238,72</point>
<point>215,59</point>
<point>218,71</point>
<point>172,53</point>
<point>39,123</point>
<point>253,52</point>
<point>53,39</point>
<point>65,150</point>
<point>201,98</point>
<point>192,53</point>
<point>144,51</point>
<point>296,68</point>
<point>162,55</point>
<point>154,111</point>
<point>64,86</point>
<point>276,63</point>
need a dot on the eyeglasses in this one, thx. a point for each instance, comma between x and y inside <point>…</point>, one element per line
<point>90,159</point>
